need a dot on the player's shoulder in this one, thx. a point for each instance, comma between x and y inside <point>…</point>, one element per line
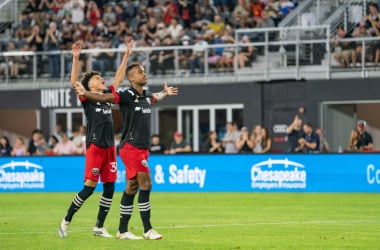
<point>126,90</point>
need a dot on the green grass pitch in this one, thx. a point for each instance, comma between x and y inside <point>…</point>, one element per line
<point>200,221</point>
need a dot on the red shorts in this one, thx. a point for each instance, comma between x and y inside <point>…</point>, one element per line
<point>134,159</point>
<point>101,162</point>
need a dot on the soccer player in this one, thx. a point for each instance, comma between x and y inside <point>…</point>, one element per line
<point>135,106</point>
<point>100,143</point>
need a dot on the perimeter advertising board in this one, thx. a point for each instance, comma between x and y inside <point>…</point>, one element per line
<point>207,173</point>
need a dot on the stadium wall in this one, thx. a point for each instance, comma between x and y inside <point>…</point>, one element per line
<point>207,173</point>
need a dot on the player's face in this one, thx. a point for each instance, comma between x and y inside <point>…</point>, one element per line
<point>139,76</point>
<point>97,83</point>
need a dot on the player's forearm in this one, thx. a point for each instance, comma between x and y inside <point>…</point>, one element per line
<point>74,70</point>
<point>120,73</point>
<point>110,98</point>
<point>160,96</point>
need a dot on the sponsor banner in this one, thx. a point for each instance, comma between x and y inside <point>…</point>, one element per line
<point>206,173</point>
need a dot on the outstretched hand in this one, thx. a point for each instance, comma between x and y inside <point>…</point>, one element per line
<point>76,48</point>
<point>170,90</point>
<point>79,89</point>
<point>130,45</point>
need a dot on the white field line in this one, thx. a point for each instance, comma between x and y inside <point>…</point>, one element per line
<point>88,229</point>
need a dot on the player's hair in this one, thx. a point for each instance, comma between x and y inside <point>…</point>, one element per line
<point>131,67</point>
<point>86,78</point>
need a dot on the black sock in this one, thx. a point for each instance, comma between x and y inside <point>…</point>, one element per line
<point>126,207</point>
<point>105,203</point>
<point>144,207</point>
<point>78,201</point>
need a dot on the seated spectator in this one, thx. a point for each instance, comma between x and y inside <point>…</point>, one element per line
<point>52,42</point>
<point>240,14</point>
<point>65,147</point>
<point>103,60</point>
<point>80,140</point>
<point>266,141</point>
<point>217,25</point>
<point>179,145</point>
<point>343,49</point>
<point>175,30</point>
<point>365,138</point>
<point>33,142</point>
<point>256,137</point>
<point>13,61</point>
<point>244,143</point>
<point>310,142</point>
<point>19,148</point>
<point>286,6</point>
<point>166,57</point>
<point>41,145</point>
<point>5,146</point>
<point>372,19</point>
<point>212,145</point>
<point>196,61</point>
<point>246,53</point>
<point>353,143</point>
<point>184,55</point>
<point>360,31</point>
<point>324,146</point>
<point>156,147</point>
<point>52,142</point>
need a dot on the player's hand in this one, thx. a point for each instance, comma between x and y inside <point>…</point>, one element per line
<point>79,89</point>
<point>76,48</point>
<point>170,90</point>
<point>130,45</point>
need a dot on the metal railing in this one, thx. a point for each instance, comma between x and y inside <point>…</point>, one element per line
<point>280,53</point>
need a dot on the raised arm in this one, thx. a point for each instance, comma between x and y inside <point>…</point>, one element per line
<point>167,91</point>
<point>120,73</point>
<point>100,97</point>
<point>76,50</point>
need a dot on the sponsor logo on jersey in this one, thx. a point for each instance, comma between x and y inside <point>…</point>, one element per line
<point>95,171</point>
<point>278,174</point>
<point>144,163</point>
<point>21,175</point>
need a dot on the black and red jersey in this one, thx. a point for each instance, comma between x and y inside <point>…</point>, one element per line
<point>100,129</point>
<point>136,112</point>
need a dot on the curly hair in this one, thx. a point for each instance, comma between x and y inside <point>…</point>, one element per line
<point>86,78</point>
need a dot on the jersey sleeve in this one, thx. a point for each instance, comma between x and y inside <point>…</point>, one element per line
<point>124,96</point>
<point>115,94</point>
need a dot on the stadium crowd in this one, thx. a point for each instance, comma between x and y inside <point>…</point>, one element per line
<point>53,25</point>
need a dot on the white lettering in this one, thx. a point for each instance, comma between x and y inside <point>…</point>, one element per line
<point>373,174</point>
<point>187,176</point>
<point>279,128</point>
<point>52,98</point>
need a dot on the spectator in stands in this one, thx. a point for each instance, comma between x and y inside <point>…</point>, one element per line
<point>156,146</point>
<point>103,60</point>
<point>93,13</point>
<point>256,137</point>
<point>257,7</point>
<point>41,145</point>
<point>184,55</point>
<point>240,14</point>
<point>217,25</point>
<point>324,146</point>
<point>33,142</point>
<point>273,9</point>
<point>13,61</point>
<point>266,141</point>
<point>229,139</point>
<point>52,43</point>
<point>310,141</point>
<point>212,144</point>
<point>294,133</point>
<point>35,39</point>
<point>179,145</point>
<point>205,12</point>
<point>196,61</point>
<point>166,57</point>
<point>79,140</point>
<point>65,147</point>
<point>170,11</point>
<point>244,143</point>
<point>5,146</point>
<point>365,138</point>
<point>246,53</point>
<point>154,57</point>
<point>353,143</point>
<point>372,19</point>
<point>286,6</point>
<point>25,23</point>
<point>150,30</point>
<point>19,148</point>
<point>175,30</point>
<point>343,49</point>
<point>360,31</point>
<point>58,132</point>
<point>52,142</point>
<point>186,12</point>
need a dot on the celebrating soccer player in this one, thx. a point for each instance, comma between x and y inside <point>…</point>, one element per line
<point>135,106</point>
<point>100,143</point>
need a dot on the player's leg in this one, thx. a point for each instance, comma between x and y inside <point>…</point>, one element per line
<point>76,204</point>
<point>126,208</point>
<point>108,175</point>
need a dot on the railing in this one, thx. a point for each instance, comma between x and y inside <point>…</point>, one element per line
<point>9,11</point>
<point>280,53</point>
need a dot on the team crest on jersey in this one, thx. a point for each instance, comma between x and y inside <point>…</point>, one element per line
<point>148,100</point>
<point>95,171</point>
<point>144,163</point>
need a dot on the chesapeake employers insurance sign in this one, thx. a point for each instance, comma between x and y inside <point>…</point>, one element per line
<point>206,173</point>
